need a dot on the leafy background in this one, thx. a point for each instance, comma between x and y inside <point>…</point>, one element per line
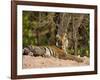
<point>40,28</point>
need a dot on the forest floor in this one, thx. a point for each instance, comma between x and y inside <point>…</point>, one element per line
<point>41,62</point>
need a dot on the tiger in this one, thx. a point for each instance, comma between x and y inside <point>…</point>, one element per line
<point>62,42</point>
<point>58,51</point>
<point>50,51</point>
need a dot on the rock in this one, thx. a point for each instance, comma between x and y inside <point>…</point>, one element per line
<point>37,51</point>
<point>26,51</point>
<point>30,53</point>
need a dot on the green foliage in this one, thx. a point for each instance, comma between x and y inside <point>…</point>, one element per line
<point>28,39</point>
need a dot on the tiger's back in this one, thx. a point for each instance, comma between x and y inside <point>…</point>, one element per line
<point>59,53</point>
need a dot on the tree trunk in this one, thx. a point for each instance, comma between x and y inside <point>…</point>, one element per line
<point>75,36</point>
<point>37,37</point>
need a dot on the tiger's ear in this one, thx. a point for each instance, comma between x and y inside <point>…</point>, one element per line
<point>62,36</point>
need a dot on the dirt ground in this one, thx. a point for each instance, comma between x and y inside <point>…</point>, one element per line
<point>40,62</point>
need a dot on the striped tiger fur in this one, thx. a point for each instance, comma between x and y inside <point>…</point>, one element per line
<point>47,51</point>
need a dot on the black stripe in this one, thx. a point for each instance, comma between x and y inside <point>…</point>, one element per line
<point>44,48</point>
<point>53,52</point>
